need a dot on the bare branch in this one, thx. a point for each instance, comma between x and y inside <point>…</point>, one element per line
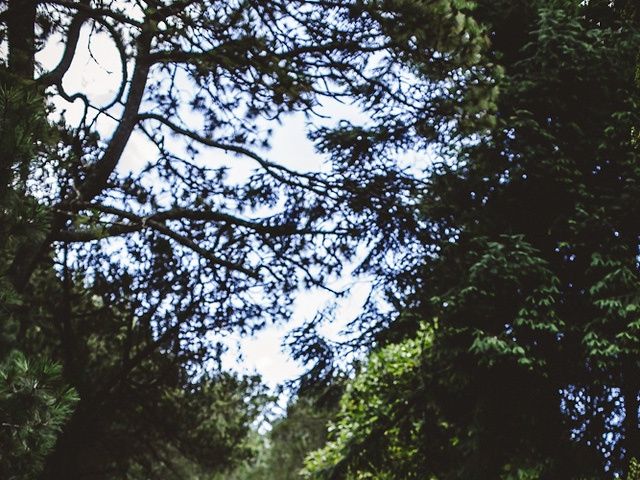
<point>89,235</point>
<point>117,229</point>
<point>142,222</point>
<point>73,36</point>
<point>266,164</point>
<point>99,174</point>
<point>119,43</point>
<point>208,141</point>
<point>87,10</point>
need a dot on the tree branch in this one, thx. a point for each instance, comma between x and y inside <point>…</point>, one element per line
<point>85,8</point>
<point>266,164</point>
<point>116,229</point>
<point>95,181</point>
<point>54,77</point>
<point>89,235</point>
<point>150,222</point>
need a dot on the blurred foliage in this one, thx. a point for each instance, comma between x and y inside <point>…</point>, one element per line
<point>280,452</point>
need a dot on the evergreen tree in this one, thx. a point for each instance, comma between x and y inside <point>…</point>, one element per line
<point>34,406</point>
<point>35,402</point>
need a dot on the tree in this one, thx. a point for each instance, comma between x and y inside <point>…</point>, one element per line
<point>530,278</point>
<point>302,430</point>
<point>134,271</point>
<point>35,402</point>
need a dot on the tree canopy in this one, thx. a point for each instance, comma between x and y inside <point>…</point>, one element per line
<point>529,293</point>
<point>142,224</point>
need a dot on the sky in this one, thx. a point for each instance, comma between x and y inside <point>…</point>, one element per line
<point>96,72</point>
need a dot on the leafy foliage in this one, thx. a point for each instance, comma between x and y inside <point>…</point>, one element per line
<point>530,275</point>
<point>634,470</point>
<point>376,433</point>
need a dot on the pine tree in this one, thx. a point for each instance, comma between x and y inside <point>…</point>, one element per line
<point>35,401</point>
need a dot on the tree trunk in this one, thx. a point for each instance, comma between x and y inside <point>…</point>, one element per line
<point>21,21</point>
<point>21,27</point>
<point>62,462</point>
